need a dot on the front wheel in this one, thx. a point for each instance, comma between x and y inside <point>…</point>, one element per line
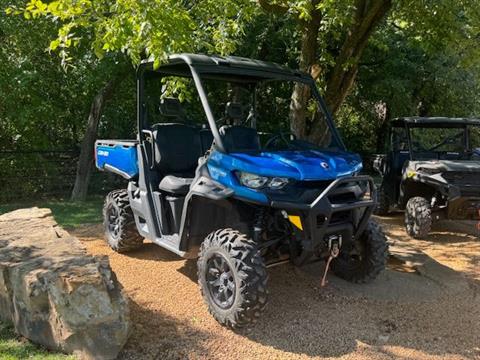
<point>232,278</point>
<point>365,259</point>
<point>418,217</point>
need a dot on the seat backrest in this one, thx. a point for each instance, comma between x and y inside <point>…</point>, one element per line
<point>177,149</point>
<point>234,113</point>
<point>171,110</point>
<point>239,138</point>
<point>206,139</point>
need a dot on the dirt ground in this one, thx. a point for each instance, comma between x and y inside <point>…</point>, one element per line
<point>425,306</point>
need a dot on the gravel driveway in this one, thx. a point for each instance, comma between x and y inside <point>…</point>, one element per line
<point>425,306</point>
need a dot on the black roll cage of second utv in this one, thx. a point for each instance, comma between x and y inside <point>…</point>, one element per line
<point>391,165</point>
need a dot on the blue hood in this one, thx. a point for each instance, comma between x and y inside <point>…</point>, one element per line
<point>298,165</point>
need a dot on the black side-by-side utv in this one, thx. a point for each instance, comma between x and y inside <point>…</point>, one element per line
<point>431,170</point>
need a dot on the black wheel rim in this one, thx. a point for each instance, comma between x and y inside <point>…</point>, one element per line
<point>113,221</point>
<point>410,221</point>
<point>220,281</point>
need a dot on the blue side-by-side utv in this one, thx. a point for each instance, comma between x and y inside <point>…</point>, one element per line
<point>221,178</point>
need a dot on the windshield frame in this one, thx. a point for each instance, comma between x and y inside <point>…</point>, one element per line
<point>308,81</point>
<point>462,126</point>
<point>182,66</point>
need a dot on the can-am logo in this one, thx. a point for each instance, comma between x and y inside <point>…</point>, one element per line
<point>324,165</point>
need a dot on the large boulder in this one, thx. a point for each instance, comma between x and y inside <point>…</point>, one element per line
<point>54,293</point>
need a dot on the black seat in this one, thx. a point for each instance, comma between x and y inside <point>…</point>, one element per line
<point>171,110</point>
<point>206,139</point>
<point>239,138</point>
<point>234,113</point>
<point>177,149</point>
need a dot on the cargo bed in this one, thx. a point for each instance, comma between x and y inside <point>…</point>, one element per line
<point>117,156</point>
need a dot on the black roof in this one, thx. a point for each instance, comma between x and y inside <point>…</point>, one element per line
<point>222,66</point>
<point>425,121</point>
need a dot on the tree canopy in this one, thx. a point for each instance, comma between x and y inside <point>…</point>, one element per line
<point>141,29</point>
<point>372,59</point>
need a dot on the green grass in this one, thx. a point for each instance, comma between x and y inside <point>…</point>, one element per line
<point>67,214</point>
<point>13,347</point>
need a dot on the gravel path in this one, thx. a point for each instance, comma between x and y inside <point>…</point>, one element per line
<point>425,306</point>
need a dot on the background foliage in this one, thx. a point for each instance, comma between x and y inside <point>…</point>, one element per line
<point>422,59</point>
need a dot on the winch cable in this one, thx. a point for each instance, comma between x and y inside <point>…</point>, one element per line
<point>333,254</point>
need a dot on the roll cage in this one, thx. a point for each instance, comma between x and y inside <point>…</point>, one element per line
<point>432,122</point>
<point>230,68</point>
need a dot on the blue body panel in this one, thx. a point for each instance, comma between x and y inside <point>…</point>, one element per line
<point>121,156</point>
<point>308,165</point>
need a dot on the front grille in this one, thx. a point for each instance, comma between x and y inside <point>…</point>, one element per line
<point>341,217</point>
<point>345,193</point>
<point>462,178</point>
<point>343,198</point>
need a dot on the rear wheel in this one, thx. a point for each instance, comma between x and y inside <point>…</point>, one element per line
<point>120,228</point>
<point>365,259</point>
<point>383,203</point>
<point>232,278</point>
<point>418,217</point>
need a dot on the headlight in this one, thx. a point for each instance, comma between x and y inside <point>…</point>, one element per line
<point>277,183</point>
<point>254,181</point>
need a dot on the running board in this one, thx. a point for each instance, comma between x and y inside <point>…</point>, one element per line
<point>171,243</point>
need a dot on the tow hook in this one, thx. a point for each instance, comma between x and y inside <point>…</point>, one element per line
<point>334,245</point>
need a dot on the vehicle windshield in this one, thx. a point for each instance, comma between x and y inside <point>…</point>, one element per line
<point>443,142</point>
<point>259,111</point>
<point>474,137</point>
<point>266,107</point>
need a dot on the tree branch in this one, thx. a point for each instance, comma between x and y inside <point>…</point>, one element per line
<point>272,8</point>
<point>367,16</point>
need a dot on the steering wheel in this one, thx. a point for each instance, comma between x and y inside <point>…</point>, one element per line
<point>282,136</point>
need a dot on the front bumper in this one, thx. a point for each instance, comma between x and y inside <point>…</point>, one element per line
<point>333,213</point>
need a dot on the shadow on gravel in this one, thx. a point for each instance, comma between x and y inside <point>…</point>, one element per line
<point>418,303</point>
<point>155,335</point>
<point>189,269</point>
<point>417,308</point>
<point>150,251</point>
<point>448,231</point>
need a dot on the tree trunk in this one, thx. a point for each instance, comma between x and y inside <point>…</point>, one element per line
<point>85,161</point>
<point>308,55</point>
<point>368,15</point>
